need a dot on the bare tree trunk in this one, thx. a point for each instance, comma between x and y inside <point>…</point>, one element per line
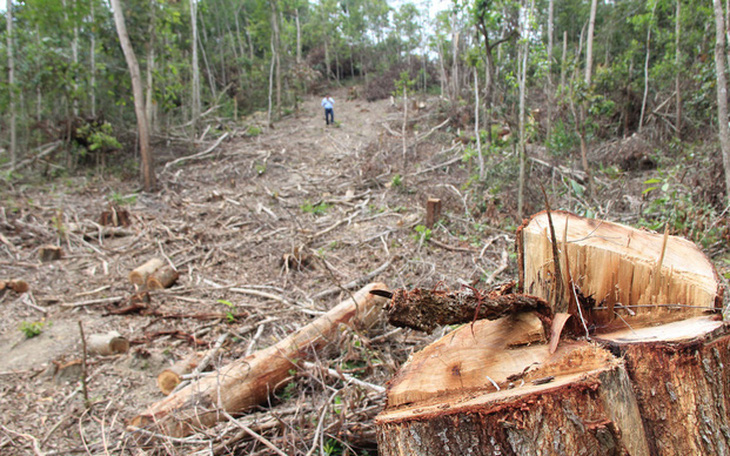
<point>563,63</point>
<point>276,39</point>
<point>646,68</point>
<point>677,63</point>
<point>271,80</point>
<point>299,36</point>
<point>549,71</point>
<point>524,51</point>
<point>195,67</point>
<point>589,45</point>
<point>476,124</point>
<point>11,86</point>
<point>722,93</point>
<point>92,63</point>
<point>148,173</point>
<point>149,106</point>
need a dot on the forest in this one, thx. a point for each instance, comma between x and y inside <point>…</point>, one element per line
<point>183,141</point>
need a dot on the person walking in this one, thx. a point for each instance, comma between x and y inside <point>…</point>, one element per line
<point>328,103</point>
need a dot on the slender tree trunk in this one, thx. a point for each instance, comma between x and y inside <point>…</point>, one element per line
<point>149,106</point>
<point>722,93</point>
<point>195,113</point>
<point>549,70</point>
<point>327,59</point>
<point>92,61</point>
<point>271,80</point>
<point>148,173</point>
<point>299,36</point>
<point>589,45</point>
<point>564,62</point>
<point>11,85</point>
<point>646,68</point>
<point>75,56</point>
<point>524,51</point>
<point>476,124</point>
<point>677,64</point>
<point>276,40</point>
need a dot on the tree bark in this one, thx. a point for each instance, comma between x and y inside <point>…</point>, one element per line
<point>249,381</point>
<point>195,68</point>
<point>169,378</point>
<point>147,165</point>
<point>678,69</point>
<point>11,85</point>
<point>425,310</point>
<point>724,129</point>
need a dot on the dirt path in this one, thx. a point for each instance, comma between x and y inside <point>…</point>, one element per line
<point>297,212</point>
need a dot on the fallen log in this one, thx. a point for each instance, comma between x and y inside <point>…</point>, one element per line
<point>169,378</point>
<point>139,275</point>
<point>425,309</point>
<point>642,369</point>
<point>248,381</point>
<point>111,343</point>
<point>162,278</point>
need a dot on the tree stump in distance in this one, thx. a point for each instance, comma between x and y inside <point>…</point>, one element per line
<point>654,379</point>
<point>433,212</point>
<point>49,253</point>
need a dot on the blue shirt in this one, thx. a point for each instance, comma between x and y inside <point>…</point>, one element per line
<point>328,103</point>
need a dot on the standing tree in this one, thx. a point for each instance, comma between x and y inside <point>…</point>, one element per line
<point>11,84</point>
<point>148,172</point>
<point>722,92</point>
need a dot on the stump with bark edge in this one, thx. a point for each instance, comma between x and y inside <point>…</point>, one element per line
<point>652,381</point>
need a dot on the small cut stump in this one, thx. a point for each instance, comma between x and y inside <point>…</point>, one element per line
<point>641,368</point>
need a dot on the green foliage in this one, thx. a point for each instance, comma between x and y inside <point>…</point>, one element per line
<point>670,203</point>
<point>232,313</point>
<point>253,131</point>
<point>396,181</point>
<point>121,200</point>
<point>332,448</point>
<point>422,233</point>
<point>31,329</point>
<point>98,136</point>
<point>316,209</point>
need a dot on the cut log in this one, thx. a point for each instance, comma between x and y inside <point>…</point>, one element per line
<point>140,274</point>
<point>111,343</point>
<point>425,309</point>
<point>169,378</point>
<point>162,278</point>
<point>248,381</point>
<point>50,253</point>
<point>17,285</point>
<point>655,380</point>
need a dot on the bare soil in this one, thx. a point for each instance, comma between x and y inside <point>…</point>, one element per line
<point>301,212</point>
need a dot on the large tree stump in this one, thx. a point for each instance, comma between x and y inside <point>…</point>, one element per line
<point>641,369</point>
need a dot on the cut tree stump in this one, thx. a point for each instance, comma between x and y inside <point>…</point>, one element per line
<point>50,253</point>
<point>643,367</point>
<point>248,381</point>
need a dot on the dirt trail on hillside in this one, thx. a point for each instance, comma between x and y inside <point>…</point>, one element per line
<point>300,212</point>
